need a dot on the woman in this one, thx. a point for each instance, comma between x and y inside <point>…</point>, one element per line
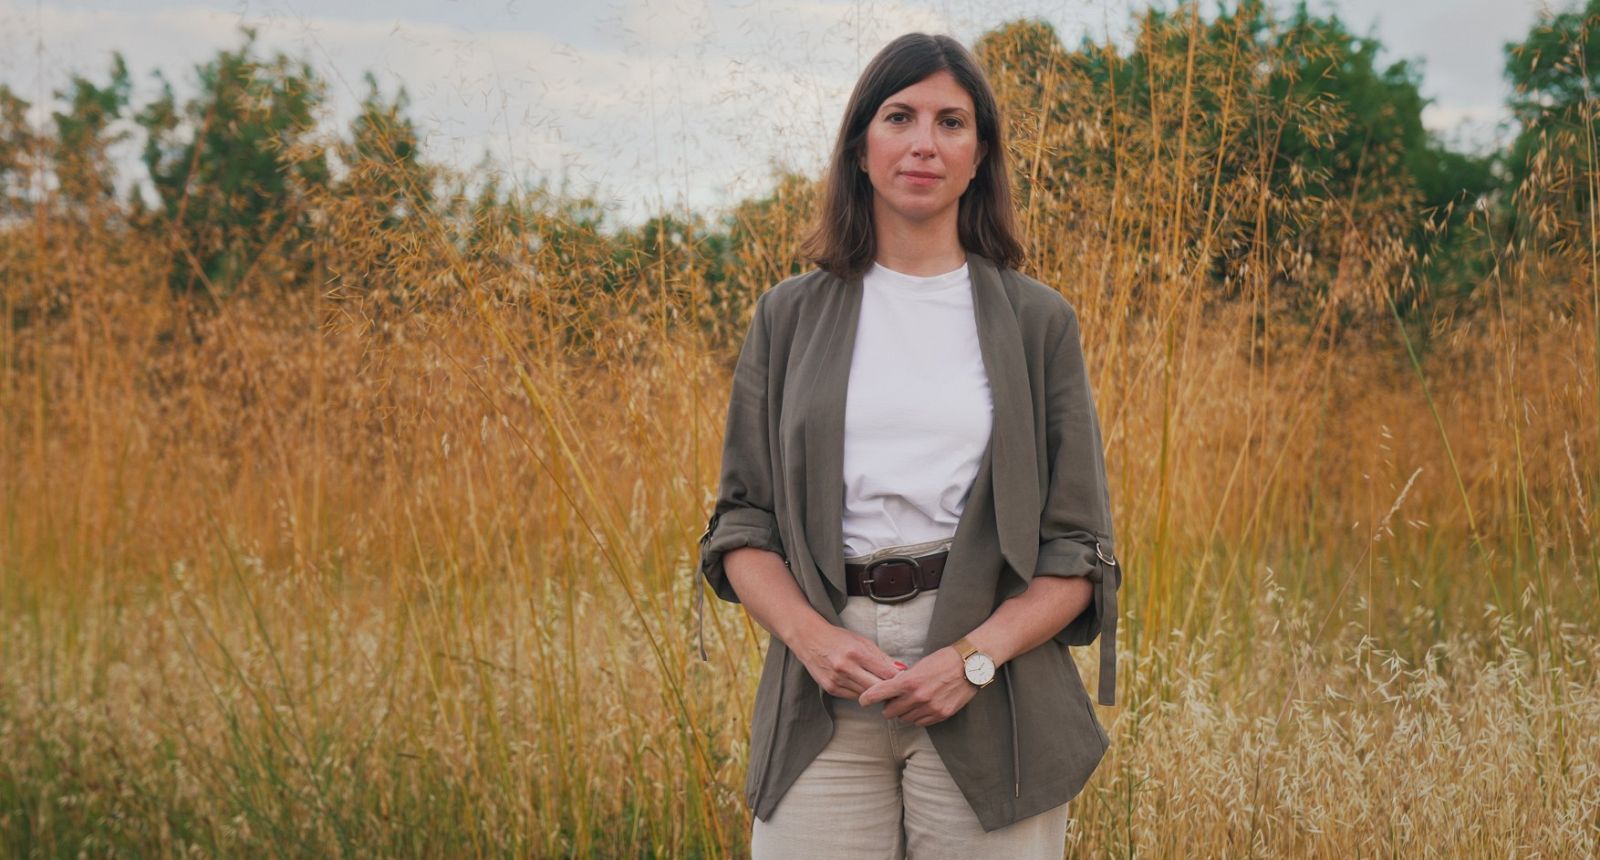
<point>913,501</point>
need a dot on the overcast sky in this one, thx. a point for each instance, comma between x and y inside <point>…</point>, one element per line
<point>661,104</point>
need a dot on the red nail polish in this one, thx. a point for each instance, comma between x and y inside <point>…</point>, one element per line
<point>901,666</point>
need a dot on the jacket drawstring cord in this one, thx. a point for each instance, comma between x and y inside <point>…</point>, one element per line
<point>1016,757</point>
<point>700,619</point>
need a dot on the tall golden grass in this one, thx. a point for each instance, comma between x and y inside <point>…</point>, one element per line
<point>325,569</point>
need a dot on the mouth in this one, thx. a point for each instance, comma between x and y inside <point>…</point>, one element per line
<point>918,177</point>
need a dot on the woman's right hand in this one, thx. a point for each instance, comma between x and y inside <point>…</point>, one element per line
<point>842,661</point>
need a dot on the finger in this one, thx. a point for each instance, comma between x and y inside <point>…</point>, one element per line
<point>871,696</point>
<point>879,663</point>
<point>852,680</point>
<point>897,708</point>
<point>864,680</point>
<point>883,667</point>
<point>878,692</point>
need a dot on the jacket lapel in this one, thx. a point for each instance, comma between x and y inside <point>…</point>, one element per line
<point>1013,471</point>
<point>835,333</point>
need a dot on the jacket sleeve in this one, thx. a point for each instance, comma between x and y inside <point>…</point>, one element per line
<point>743,512</point>
<point>1075,532</point>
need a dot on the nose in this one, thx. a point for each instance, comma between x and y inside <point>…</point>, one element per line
<point>922,141</point>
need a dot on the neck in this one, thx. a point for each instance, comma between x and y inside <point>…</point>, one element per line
<point>920,248</point>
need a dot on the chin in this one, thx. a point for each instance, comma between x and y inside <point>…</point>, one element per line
<point>926,214</point>
<point>919,209</point>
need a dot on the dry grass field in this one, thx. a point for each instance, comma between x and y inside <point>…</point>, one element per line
<point>315,571</point>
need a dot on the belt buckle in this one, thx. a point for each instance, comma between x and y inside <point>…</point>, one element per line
<point>867,579</point>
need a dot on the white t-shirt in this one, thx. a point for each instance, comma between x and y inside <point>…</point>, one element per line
<point>918,411</point>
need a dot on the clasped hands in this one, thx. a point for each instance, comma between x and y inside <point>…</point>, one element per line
<point>849,665</point>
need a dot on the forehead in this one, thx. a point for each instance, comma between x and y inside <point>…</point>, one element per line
<point>936,92</point>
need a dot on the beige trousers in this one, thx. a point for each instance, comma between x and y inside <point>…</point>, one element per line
<point>878,790</point>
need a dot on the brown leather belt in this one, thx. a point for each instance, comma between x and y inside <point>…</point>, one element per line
<point>894,578</point>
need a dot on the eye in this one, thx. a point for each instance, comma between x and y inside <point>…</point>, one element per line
<point>955,122</point>
<point>891,117</point>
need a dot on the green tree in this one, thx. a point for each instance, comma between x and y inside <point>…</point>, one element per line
<point>1395,174</point>
<point>378,216</point>
<point>1552,163</point>
<point>1281,151</point>
<point>18,146</point>
<point>1552,73</point>
<point>85,175</point>
<point>232,166</point>
<point>383,158</point>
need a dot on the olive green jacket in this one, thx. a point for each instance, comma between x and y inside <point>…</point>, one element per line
<point>1039,505</point>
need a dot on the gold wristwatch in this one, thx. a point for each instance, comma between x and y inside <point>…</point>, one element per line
<point>978,665</point>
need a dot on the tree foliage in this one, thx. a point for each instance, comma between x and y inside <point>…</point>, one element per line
<point>1252,156</point>
<point>85,134</point>
<point>231,165</point>
<point>1551,165</point>
<point>1247,139</point>
<point>1553,75</point>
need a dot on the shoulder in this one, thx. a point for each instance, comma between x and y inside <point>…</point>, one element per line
<point>1045,318</point>
<point>1032,297</point>
<point>791,296</point>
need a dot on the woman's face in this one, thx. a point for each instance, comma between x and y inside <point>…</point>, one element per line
<point>922,151</point>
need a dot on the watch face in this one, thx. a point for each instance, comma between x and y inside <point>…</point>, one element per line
<point>980,669</point>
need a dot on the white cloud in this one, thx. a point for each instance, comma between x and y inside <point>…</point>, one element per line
<point>655,103</point>
<point>683,104</point>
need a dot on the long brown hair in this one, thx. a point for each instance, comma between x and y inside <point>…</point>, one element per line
<point>843,240</point>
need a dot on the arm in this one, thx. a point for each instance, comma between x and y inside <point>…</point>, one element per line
<point>741,552</point>
<point>1076,537</point>
<point>1030,619</point>
<point>842,661</point>
<point>743,513</point>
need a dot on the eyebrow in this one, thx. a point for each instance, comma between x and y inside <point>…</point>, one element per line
<point>904,106</point>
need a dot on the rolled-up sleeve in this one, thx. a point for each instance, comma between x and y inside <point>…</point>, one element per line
<point>1075,532</point>
<point>743,513</point>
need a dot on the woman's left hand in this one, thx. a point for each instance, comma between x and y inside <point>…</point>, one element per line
<point>931,691</point>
